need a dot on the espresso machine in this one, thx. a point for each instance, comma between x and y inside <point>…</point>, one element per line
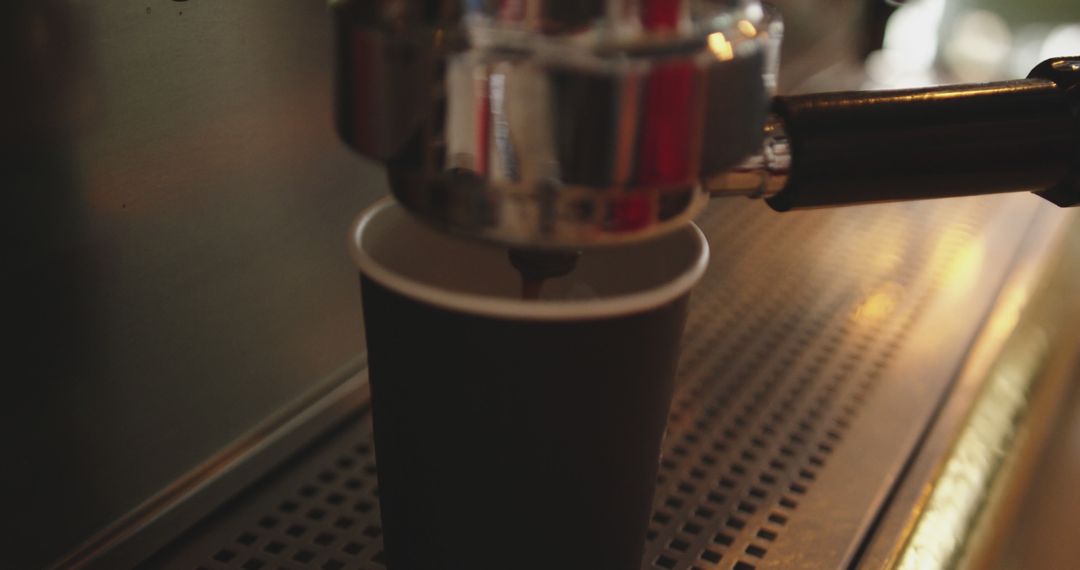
<point>551,125</point>
<point>875,386</point>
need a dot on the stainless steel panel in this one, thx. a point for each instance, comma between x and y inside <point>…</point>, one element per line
<point>819,348</point>
<point>966,482</point>
<point>796,437</point>
<point>174,244</point>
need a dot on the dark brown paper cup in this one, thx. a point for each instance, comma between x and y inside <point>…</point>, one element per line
<point>512,433</point>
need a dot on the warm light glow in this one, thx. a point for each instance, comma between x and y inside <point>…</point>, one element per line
<point>1008,314</point>
<point>747,28</point>
<point>957,259</point>
<point>957,496</point>
<point>880,303</point>
<point>720,46</point>
<point>962,270</point>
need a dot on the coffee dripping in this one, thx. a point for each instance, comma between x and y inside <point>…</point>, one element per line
<point>537,266</point>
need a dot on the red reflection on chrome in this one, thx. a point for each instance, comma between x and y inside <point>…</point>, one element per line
<point>664,152</point>
<point>660,14</point>
<point>631,212</point>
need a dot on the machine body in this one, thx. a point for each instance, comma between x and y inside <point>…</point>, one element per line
<point>563,125</point>
<point>554,124</point>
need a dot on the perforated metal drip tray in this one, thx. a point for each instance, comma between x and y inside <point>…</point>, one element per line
<point>818,348</point>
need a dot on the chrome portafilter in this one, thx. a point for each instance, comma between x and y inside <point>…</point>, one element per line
<point>554,125</point>
<point>557,125</point>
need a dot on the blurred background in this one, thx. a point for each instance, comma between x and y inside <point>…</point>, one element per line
<point>921,42</point>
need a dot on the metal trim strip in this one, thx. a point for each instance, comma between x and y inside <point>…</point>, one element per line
<point>162,517</point>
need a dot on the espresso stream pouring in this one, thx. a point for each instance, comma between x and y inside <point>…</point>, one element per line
<point>562,125</point>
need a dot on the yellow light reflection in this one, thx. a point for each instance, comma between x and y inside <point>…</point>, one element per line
<point>978,456</point>
<point>720,46</point>
<point>962,269</point>
<point>1008,314</point>
<point>747,28</point>
<point>880,303</point>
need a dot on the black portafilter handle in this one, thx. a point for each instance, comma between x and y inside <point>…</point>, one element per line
<point>958,140</point>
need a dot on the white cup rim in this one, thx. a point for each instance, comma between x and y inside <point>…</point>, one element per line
<point>518,309</point>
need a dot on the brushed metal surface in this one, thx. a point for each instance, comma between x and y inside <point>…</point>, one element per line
<point>176,270</point>
<point>954,507</point>
<point>819,347</point>
<point>867,315</point>
<point>1040,253</point>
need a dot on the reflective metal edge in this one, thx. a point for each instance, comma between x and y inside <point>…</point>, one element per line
<point>1032,296</point>
<point>161,518</point>
<point>1046,403</point>
<point>850,495</point>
